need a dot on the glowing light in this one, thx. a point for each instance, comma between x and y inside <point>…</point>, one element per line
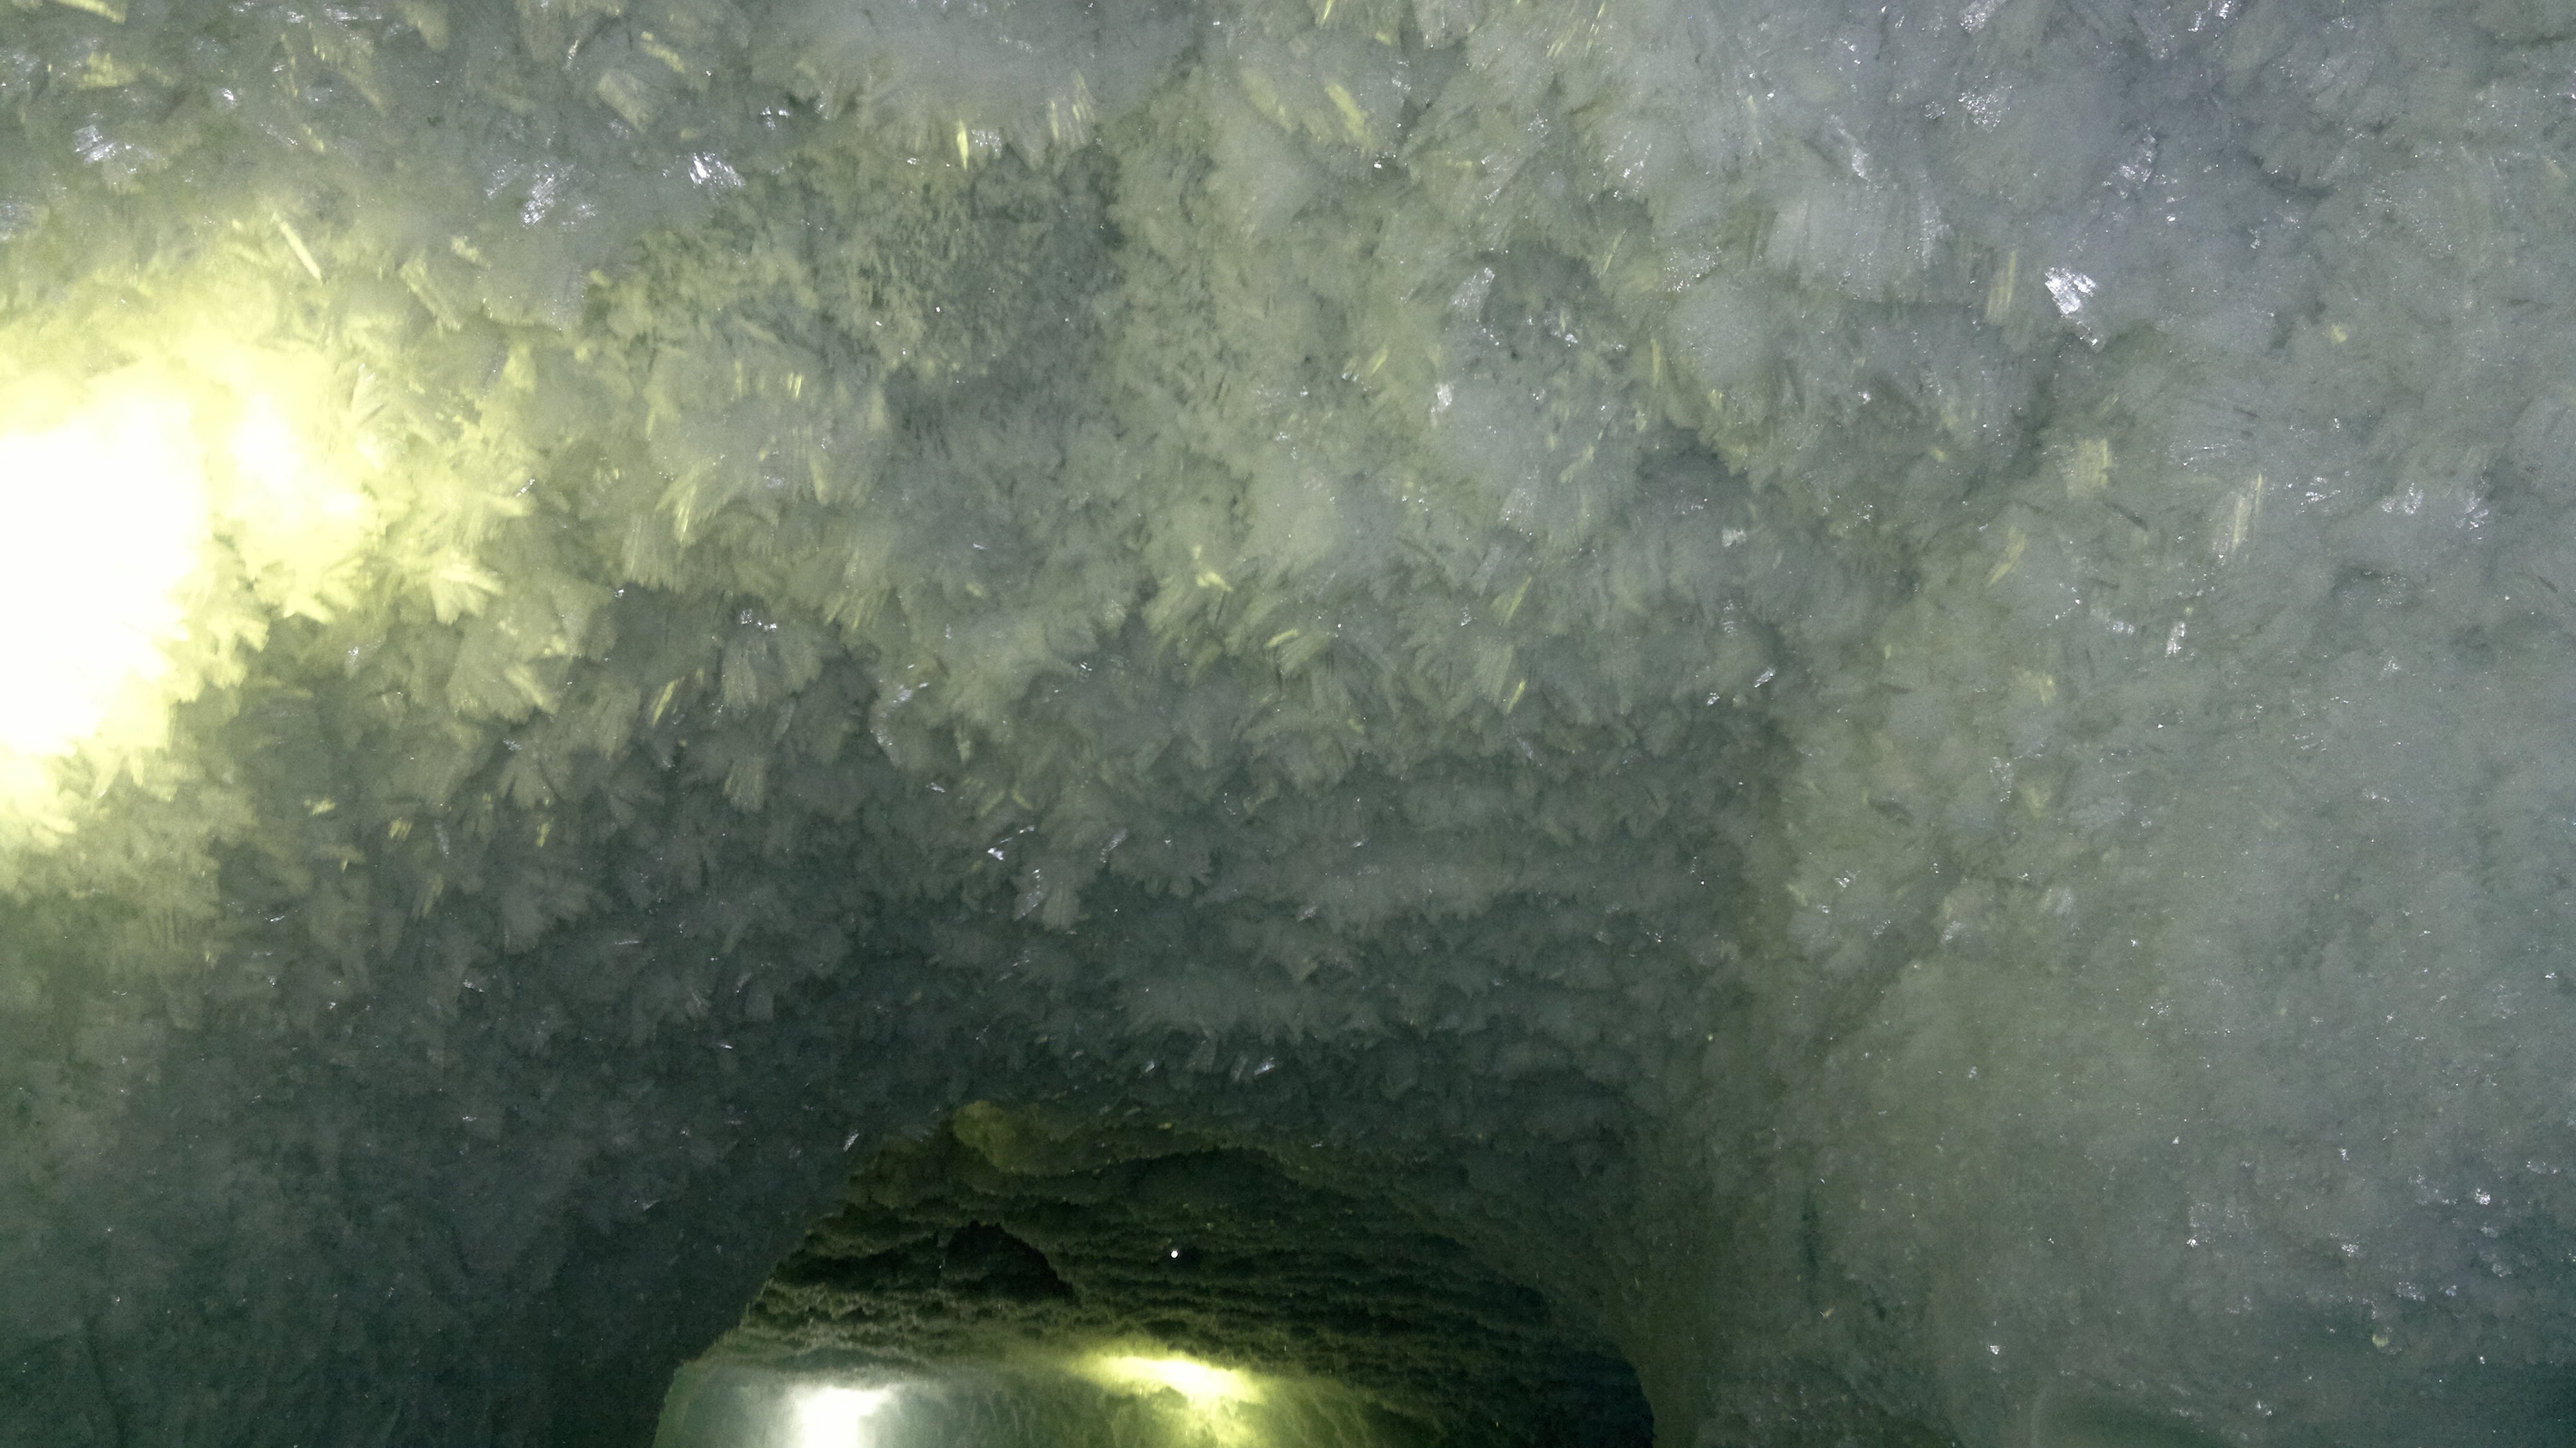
<point>292,521</point>
<point>1201,1383</point>
<point>102,519</point>
<point>837,1417</point>
<point>126,503</point>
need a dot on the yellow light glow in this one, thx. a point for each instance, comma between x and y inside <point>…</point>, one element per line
<point>290,519</point>
<point>154,520</point>
<point>1201,1383</point>
<point>102,520</point>
<point>838,1417</point>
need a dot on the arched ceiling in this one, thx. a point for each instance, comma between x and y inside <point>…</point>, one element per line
<point>1877,689</point>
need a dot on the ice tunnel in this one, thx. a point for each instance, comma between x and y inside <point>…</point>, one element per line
<point>1361,723</point>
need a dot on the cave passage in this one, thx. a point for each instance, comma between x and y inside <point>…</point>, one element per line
<point>1847,715</point>
<point>1031,1278</point>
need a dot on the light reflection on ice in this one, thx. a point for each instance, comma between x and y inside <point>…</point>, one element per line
<point>2069,289</point>
<point>836,1417</point>
<point>1102,1396</point>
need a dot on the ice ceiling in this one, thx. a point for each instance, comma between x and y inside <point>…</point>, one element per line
<point>1878,693</point>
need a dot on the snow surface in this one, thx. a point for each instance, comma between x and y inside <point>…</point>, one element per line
<point>1883,689</point>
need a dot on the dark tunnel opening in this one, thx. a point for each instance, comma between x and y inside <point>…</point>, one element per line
<point>1014,1279</point>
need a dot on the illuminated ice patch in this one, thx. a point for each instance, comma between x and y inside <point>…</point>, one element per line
<point>835,1417</point>
<point>151,522</point>
<point>289,516</point>
<point>102,519</point>
<point>1199,1382</point>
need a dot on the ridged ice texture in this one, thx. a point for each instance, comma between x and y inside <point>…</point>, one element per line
<point>1010,1238</point>
<point>1884,687</point>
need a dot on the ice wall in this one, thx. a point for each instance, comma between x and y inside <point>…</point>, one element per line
<point>1889,681</point>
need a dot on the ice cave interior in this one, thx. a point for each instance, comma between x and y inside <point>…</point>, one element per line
<point>1717,723</point>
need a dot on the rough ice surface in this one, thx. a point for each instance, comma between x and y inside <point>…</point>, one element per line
<point>1031,1240</point>
<point>1883,690</point>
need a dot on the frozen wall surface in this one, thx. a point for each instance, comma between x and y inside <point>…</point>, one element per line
<point>1882,691</point>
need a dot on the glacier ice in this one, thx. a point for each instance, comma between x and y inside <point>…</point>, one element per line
<point>1878,688</point>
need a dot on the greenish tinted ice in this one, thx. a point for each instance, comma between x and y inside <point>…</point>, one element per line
<point>1879,691</point>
